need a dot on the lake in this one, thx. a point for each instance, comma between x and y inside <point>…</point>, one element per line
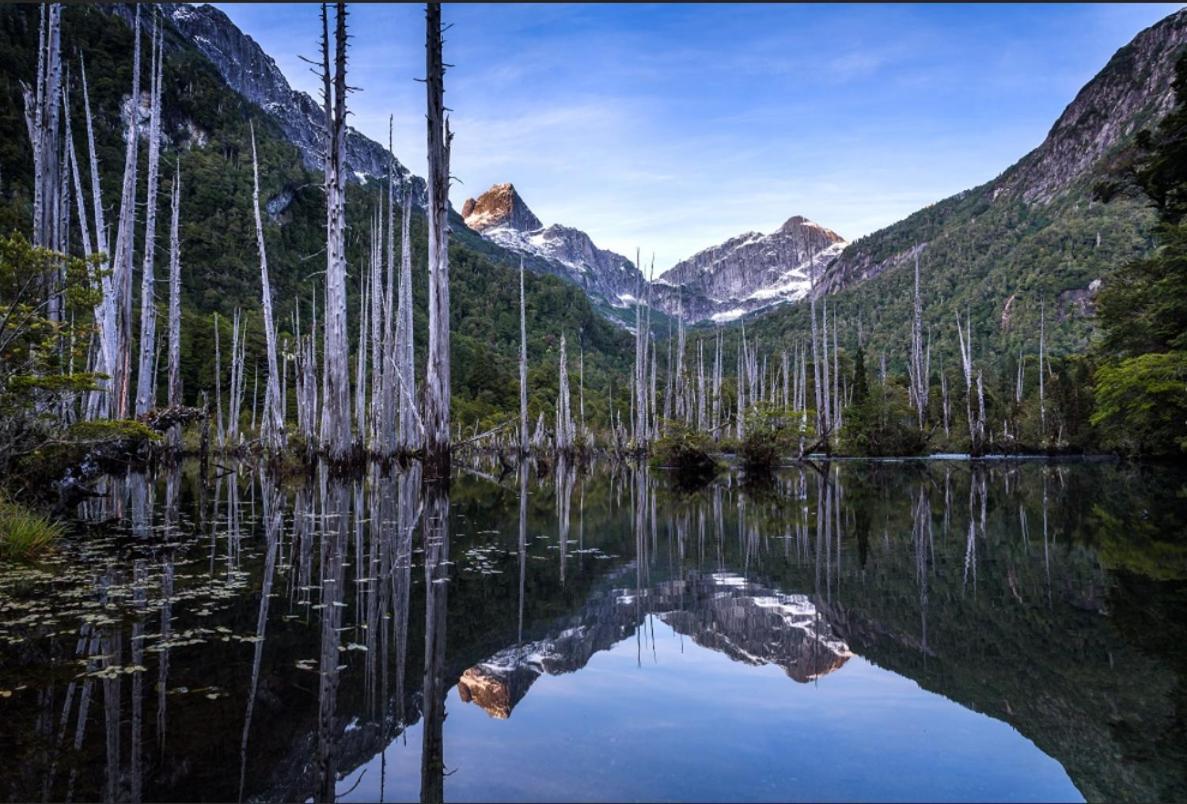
<point>923,630</point>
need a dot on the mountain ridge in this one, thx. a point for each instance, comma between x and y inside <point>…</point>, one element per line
<point>501,216</point>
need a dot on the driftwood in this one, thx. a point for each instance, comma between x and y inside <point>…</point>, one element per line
<point>162,420</point>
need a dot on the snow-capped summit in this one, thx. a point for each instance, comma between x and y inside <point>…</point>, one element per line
<point>501,216</point>
<point>749,271</point>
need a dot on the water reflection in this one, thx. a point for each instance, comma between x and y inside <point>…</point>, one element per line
<point>240,635</point>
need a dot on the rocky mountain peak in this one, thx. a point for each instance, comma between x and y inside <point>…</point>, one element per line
<point>748,272</point>
<point>499,206</point>
<point>798,224</point>
<point>251,72</point>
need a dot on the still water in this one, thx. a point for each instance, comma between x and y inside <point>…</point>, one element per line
<point>865,631</point>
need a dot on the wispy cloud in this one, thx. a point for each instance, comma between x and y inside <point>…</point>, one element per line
<point>672,127</point>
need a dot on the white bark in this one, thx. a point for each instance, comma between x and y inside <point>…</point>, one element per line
<point>917,370</point>
<point>102,402</point>
<point>218,386</point>
<point>1042,369</point>
<point>389,360</point>
<point>42,111</point>
<point>375,311</point>
<point>437,390</point>
<point>175,306</point>
<point>815,348</point>
<point>145,385</point>
<point>120,368</point>
<point>523,366</point>
<point>564,417</point>
<point>272,432</point>
<point>410,428</point>
<point>336,435</point>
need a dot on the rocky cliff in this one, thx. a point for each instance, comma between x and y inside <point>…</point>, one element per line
<point>748,272</point>
<point>252,73</point>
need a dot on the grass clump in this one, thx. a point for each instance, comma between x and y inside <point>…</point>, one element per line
<point>25,534</point>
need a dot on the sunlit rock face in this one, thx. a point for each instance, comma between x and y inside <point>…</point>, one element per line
<point>748,272</point>
<point>483,686</point>
<point>500,206</point>
<point>722,612</point>
<point>501,216</point>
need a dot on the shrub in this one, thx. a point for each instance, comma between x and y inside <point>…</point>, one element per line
<point>686,451</point>
<point>768,434</point>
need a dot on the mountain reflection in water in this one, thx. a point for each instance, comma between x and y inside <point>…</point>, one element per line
<point>940,630</point>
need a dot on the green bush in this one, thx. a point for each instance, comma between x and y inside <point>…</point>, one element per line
<point>769,433</point>
<point>686,451</point>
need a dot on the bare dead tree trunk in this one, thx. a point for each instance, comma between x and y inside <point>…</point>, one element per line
<point>918,372</point>
<point>1042,369</point>
<point>272,433</point>
<point>218,387</point>
<point>564,417</point>
<point>122,263</point>
<point>702,420</point>
<point>389,358</point>
<point>175,307</point>
<point>838,401</point>
<point>739,424</point>
<point>581,380</point>
<point>101,402</point>
<point>945,405</point>
<point>238,338</point>
<point>41,119</point>
<point>145,385</point>
<point>437,391</point>
<point>360,369</point>
<point>816,377</point>
<point>376,309</point>
<point>336,436</point>
<point>966,359</point>
<point>523,367</point>
<point>824,373</point>
<point>411,428</point>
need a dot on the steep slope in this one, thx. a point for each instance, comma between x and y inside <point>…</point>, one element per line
<point>251,72</point>
<point>206,126</point>
<point>1034,235</point>
<point>748,272</point>
<point>502,217</point>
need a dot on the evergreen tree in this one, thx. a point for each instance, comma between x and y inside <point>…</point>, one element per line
<point>861,386</point>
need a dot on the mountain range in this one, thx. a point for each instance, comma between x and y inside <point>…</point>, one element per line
<point>1033,235</point>
<point>1039,214</point>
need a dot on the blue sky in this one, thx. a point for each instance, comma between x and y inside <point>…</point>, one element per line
<point>673,127</point>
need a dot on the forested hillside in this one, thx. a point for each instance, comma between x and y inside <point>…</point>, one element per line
<point>1037,235</point>
<point>206,126</point>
